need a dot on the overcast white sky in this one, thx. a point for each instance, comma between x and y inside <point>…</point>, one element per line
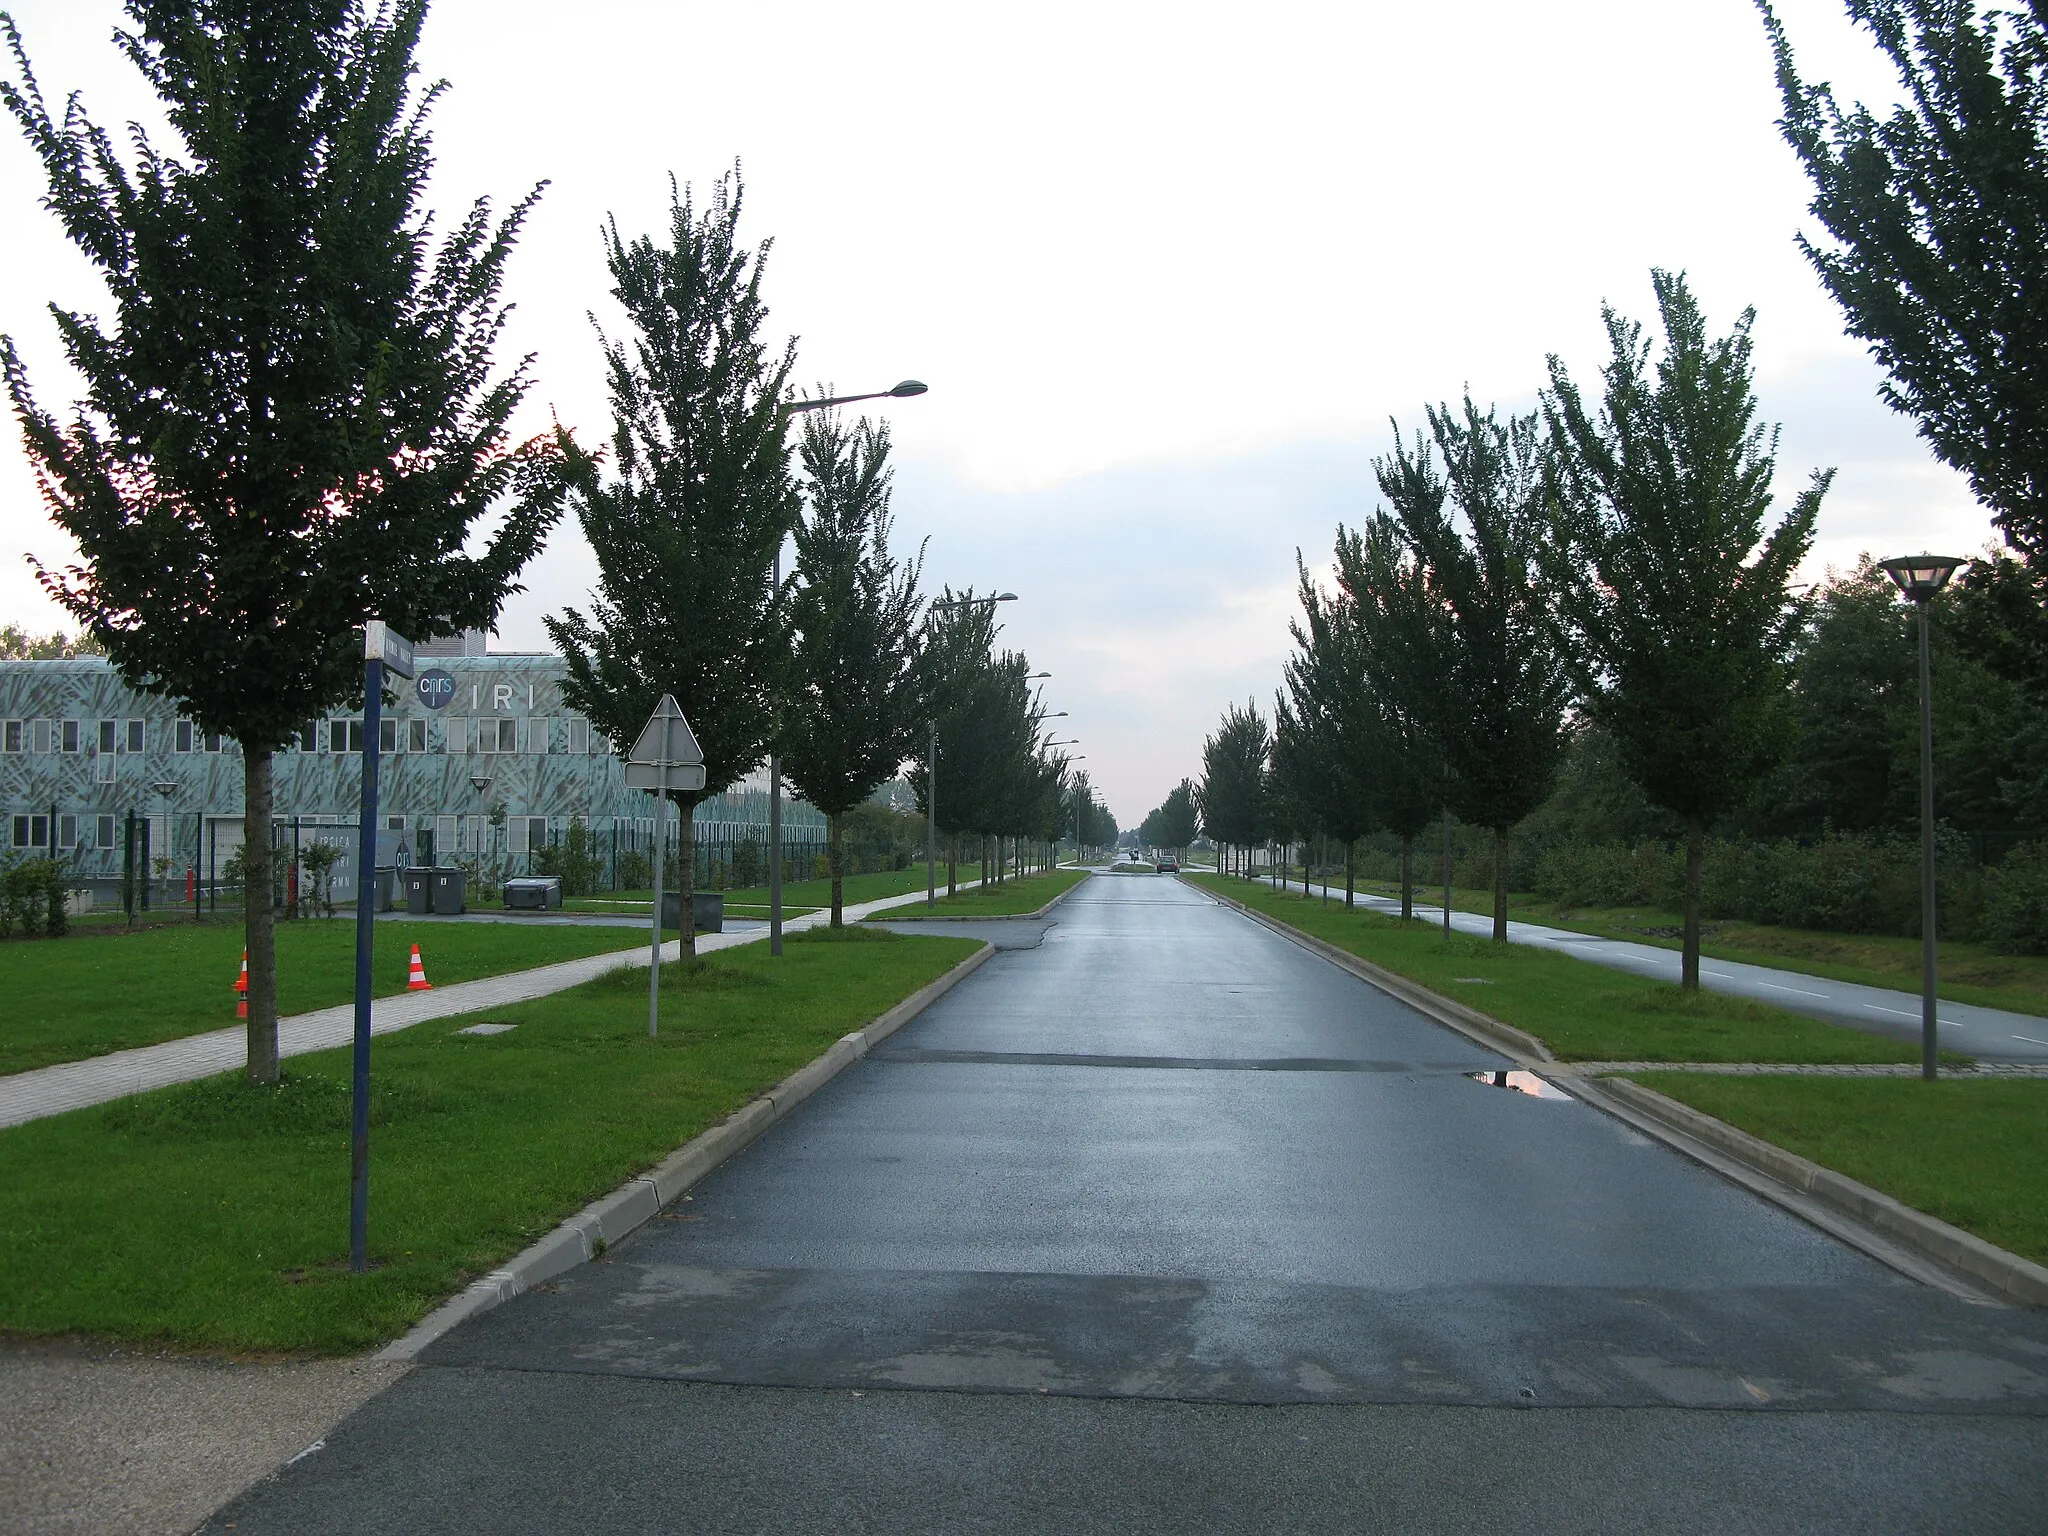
<point>1168,270</point>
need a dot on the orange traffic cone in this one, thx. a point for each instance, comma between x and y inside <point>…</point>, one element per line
<point>418,981</point>
<point>242,989</point>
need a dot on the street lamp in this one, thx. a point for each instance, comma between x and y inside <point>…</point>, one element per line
<point>1920,577</point>
<point>931,767</point>
<point>164,788</point>
<point>902,391</point>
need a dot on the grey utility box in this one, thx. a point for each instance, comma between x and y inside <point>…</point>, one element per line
<point>538,892</point>
<point>419,890</point>
<point>450,886</point>
<point>707,911</point>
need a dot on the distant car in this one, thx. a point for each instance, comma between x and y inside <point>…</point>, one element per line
<point>1169,866</point>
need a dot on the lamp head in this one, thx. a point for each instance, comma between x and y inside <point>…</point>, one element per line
<point>165,788</point>
<point>1919,577</point>
<point>480,782</point>
<point>1004,597</point>
<point>908,388</point>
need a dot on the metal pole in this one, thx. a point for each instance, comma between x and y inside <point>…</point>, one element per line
<point>1447,871</point>
<point>775,824</point>
<point>1929,1046</point>
<point>654,969</point>
<point>366,919</point>
<point>931,822</point>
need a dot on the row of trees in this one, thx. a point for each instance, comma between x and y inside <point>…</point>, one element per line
<point>292,421</point>
<point>1174,822</point>
<point>1606,569</point>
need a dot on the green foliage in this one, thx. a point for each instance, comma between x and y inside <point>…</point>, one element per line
<point>1174,822</point>
<point>686,519</point>
<point>289,424</point>
<point>317,860</point>
<point>1938,252</point>
<point>2016,906</point>
<point>1234,787</point>
<point>32,899</point>
<point>17,644</point>
<point>576,862</point>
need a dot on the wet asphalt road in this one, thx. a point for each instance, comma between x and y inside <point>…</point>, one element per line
<point>1159,1222</point>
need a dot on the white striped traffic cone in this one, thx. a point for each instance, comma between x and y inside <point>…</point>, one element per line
<point>418,981</point>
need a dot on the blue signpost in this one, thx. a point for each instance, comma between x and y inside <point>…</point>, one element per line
<point>381,649</point>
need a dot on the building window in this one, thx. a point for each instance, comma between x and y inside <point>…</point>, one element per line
<point>579,735</point>
<point>497,735</point>
<point>134,735</point>
<point>31,831</point>
<point>457,732</point>
<point>444,834</point>
<point>387,735</point>
<point>67,737</point>
<point>103,832</point>
<point>309,736</point>
<point>214,742</point>
<point>67,831</point>
<point>10,735</point>
<point>108,730</point>
<point>394,823</point>
<point>182,738</point>
<point>525,834</point>
<point>344,735</point>
<point>537,735</point>
<point>42,736</point>
<point>415,735</point>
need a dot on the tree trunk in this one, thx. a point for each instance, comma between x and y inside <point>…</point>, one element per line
<point>1500,885</point>
<point>835,844</point>
<point>952,863</point>
<point>1695,857</point>
<point>1350,875</point>
<point>1407,877</point>
<point>686,873</point>
<point>258,923</point>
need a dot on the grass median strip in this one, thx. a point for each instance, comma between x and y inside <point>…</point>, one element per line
<point>1013,898</point>
<point>1970,973</point>
<point>214,1215</point>
<point>71,998</point>
<point>1582,1012</point>
<point>1974,1153</point>
<point>810,895</point>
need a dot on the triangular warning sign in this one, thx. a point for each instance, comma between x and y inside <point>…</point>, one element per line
<point>666,741</point>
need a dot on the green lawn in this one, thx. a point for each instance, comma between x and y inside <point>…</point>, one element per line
<point>215,1215</point>
<point>797,895</point>
<point>86,995</point>
<point>1013,897</point>
<point>1974,1153</point>
<point>1970,973</point>
<point>1583,1012</point>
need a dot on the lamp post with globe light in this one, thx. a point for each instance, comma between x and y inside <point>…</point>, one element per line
<point>1920,578</point>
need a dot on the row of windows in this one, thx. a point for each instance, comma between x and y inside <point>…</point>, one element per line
<point>73,832</point>
<point>456,735</point>
<point>103,736</point>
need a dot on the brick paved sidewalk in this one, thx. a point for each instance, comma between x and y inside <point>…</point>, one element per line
<point>1791,1069</point>
<point>52,1090</point>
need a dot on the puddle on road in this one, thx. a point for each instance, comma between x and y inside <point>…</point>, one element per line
<point>1522,1082</point>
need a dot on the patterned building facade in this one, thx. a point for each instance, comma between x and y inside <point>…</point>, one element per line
<point>502,769</point>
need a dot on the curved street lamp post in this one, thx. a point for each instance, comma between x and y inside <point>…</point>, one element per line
<point>1920,577</point>
<point>903,391</point>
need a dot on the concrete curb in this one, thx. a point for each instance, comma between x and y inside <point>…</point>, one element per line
<point>2010,1275</point>
<point>603,1223</point>
<point>1525,1048</point>
<point>982,917</point>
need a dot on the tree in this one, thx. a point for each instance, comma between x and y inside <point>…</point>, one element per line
<point>698,499</point>
<point>291,423</point>
<point>1502,677</point>
<point>854,708</point>
<point>1939,256</point>
<point>1233,796</point>
<point>1675,598</point>
<point>1177,818</point>
<point>1323,722</point>
<point>17,644</point>
<point>1392,633</point>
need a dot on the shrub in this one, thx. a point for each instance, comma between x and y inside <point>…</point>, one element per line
<point>32,899</point>
<point>635,872</point>
<point>575,862</point>
<point>2016,902</point>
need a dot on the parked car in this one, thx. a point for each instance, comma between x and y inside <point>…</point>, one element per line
<point>1169,866</point>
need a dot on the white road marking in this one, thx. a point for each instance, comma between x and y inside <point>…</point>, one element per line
<point>2030,1040</point>
<point>1801,991</point>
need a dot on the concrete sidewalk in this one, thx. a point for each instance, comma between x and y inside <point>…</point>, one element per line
<point>26,1096</point>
